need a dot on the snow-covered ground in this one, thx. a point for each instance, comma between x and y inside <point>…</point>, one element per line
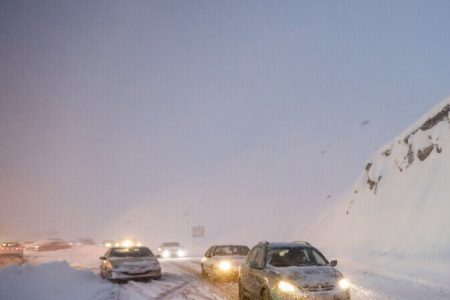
<point>394,221</point>
<point>73,274</point>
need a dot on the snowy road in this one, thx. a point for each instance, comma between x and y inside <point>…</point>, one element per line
<point>181,279</point>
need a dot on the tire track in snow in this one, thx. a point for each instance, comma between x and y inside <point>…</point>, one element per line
<point>227,290</point>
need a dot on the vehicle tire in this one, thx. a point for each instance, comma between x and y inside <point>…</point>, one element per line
<point>157,277</point>
<point>265,294</point>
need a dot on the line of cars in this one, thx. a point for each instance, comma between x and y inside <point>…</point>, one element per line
<point>294,270</point>
<point>14,249</point>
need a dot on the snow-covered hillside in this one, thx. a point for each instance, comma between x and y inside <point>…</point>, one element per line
<point>397,216</point>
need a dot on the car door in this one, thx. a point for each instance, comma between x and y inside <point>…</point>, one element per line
<point>207,264</point>
<point>258,271</point>
<point>246,274</point>
<point>255,271</point>
<point>104,263</point>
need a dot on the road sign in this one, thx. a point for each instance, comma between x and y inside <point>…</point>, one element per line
<point>198,231</point>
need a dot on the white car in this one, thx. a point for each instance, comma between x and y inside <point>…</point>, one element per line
<point>171,249</point>
<point>126,263</point>
<point>223,261</point>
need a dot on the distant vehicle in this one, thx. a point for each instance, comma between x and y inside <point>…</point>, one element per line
<point>11,249</point>
<point>171,249</point>
<point>108,243</point>
<point>74,243</point>
<point>49,245</point>
<point>127,242</point>
<point>293,270</point>
<point>126,263</point>
<point>86,241</point>
<point>222,261</point>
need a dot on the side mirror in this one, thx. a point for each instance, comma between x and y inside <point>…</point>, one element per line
<point>208,255</point>
<point>333,263</point>
<point>102,258</point>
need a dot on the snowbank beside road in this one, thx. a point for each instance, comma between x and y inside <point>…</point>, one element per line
<point>396,218</point>
<point>52,281</point>
<point>77,257</point>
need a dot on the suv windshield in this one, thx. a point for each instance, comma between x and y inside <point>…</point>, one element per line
<point>296,256</point>
<point>131,252</point>
<point>231,250</point>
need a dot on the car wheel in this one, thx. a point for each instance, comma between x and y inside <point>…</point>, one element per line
<point>157,277</point>
<point>265,295</point>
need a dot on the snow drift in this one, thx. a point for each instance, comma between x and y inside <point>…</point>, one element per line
<point>397,216</point>
<point>52,281</point>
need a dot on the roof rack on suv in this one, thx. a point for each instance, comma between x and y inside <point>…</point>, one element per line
<point>302,242</point>
<point>264,242</point>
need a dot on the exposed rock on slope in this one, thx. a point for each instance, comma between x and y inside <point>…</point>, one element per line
<point>400,206</point>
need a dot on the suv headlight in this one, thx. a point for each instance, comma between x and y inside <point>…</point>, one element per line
<point>344,284</point>
<point>225,266</point>
<point>286,287</point>
<point>165,253</point>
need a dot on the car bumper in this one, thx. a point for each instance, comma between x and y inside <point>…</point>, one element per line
<point>227,275</point>
<point>125,275</point>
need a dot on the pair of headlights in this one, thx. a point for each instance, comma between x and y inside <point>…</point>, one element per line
<point>167,254</point>
<point>287,287</point>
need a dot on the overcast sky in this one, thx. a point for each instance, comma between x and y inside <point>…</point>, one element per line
<point>146,118</point>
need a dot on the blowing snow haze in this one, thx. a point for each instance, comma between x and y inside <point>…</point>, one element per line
<point>148,118</point>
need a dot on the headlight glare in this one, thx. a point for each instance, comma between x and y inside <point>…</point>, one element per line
<point>344,284</point>
<point>165,253</point>
<point>224,266</point>
<point>286,287</point>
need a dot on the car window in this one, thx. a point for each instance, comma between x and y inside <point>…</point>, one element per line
<point>251,256</point>
<point>259,257</point>
<point>131,252</point>
<point>320,259</point>
<point>208,252</point>
<point>107,254</point>
<point>231,250</point>
<point>294,256</point>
